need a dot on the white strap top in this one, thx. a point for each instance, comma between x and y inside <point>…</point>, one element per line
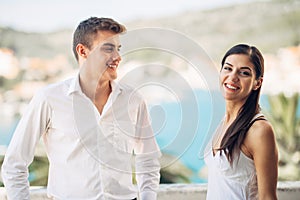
<point>236,182</point>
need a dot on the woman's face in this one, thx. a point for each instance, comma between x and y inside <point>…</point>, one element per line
<point>237,78</point>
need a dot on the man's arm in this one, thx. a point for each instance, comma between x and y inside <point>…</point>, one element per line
<point>20,152</point>
<point>147,176</point>
<point>147,155</point>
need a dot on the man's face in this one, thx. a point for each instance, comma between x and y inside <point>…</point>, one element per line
<point>104,55</point>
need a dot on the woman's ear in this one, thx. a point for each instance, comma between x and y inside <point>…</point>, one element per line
<point>258,83</point>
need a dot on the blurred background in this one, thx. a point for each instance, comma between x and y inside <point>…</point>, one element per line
<point>35,50</point>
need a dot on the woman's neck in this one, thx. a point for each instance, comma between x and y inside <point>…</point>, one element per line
<point>232,110</point>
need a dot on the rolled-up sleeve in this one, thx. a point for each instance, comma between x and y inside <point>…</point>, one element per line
<point>20,152</point>
<point>147,154</point>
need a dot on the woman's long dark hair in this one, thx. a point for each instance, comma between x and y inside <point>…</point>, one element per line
<point>236,132</point>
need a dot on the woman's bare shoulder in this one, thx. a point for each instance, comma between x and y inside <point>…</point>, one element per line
<point>260,136</point>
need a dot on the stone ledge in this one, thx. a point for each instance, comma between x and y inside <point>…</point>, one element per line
<point>285,190</point>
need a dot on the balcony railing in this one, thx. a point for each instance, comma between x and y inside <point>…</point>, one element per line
<point>285,191</point>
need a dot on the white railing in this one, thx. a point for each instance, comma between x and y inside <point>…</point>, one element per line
<point>285,191</point>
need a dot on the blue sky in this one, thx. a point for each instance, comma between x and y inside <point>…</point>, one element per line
<point>50,15</point>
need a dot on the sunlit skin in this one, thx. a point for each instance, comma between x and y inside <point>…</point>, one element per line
<point>237,80</point>
<point>99,66</point>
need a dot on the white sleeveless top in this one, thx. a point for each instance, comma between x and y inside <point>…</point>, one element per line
<point>226,182</point>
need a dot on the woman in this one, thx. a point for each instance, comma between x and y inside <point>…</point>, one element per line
<point>242,158</point>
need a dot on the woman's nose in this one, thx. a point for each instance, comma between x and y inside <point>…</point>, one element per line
<point>234,76</point>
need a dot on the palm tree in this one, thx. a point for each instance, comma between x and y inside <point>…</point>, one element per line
<point>283,88</point>
<point>286,123</point>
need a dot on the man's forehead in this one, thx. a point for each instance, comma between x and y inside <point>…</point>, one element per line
<point>111,38</point>
<point>107,37</point>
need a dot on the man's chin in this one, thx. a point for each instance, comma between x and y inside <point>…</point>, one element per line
<point>113,77</point>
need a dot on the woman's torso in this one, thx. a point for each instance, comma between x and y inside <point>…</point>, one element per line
<point>226,181</point>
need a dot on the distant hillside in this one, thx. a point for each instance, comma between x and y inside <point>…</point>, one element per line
<point>42,45</point>
<point>267,24</point>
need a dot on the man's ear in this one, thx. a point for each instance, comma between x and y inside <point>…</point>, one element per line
<point>258,83</point>
<point>81,50</point>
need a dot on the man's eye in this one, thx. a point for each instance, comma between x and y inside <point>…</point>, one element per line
<point>108,49</point>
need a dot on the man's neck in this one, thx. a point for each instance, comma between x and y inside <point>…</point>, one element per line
<point>102,93</point>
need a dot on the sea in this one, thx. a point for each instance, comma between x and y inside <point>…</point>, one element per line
<point>182,128</point>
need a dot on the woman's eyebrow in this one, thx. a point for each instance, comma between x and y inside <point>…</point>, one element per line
<point>246,67</point>
<point>229,64</point>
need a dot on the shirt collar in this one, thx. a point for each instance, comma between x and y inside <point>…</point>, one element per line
<point>75,86</point>
<point>116,89</point>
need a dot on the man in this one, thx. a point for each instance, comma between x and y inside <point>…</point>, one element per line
<point>95,130</point>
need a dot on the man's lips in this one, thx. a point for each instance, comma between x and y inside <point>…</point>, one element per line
<point>112,66</point>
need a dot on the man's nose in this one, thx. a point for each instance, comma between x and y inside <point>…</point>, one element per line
<point>116,55</point>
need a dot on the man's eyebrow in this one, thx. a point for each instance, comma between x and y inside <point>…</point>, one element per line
<point>110,44</point>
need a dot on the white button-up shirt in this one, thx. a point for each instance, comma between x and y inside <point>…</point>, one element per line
<point>91,156</point>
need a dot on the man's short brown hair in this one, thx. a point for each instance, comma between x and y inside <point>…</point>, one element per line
<point>87,30</point>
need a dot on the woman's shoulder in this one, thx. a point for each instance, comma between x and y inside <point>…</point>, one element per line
<point>260,135</point>
<point>261,129</point>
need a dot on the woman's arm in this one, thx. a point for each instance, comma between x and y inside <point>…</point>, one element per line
<point>261,143</point>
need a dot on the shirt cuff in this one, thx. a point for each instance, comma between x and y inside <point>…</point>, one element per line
<point>148,195</point>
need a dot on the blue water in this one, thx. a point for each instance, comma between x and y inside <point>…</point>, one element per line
<point>182,128</point>
<point>187,125</point>
<point>6,131</point>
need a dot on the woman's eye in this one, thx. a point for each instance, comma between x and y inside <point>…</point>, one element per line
<point>245,73</point>
<point>227,68</point>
